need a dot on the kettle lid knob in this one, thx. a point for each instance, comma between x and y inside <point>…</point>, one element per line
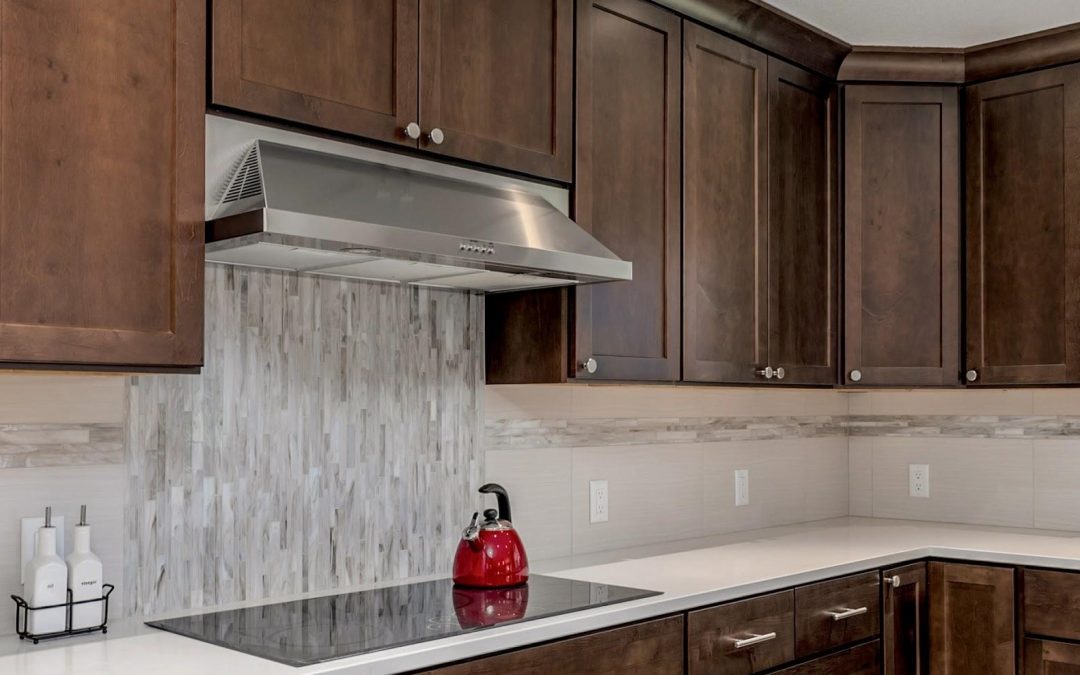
<point>491,515</point>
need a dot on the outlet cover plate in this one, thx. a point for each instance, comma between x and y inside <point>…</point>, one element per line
<point>742,487</point>
<point>29,527</point>
<point>919,481</point>
<point>598,501</point>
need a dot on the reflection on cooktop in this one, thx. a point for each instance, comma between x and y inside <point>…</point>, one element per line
<point>303,632</point>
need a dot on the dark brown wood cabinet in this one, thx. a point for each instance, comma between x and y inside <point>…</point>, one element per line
<point>489,82</point>
<point>905,620</point>
<point>648,648</point>
<point>864,659</point>
<point>725,209</point>
<point>1052,603</point>
<point>1023,229</point>
<point>803,225</point>
<point>101,203</point>
<point>834,613</point>
<point>742,637</point>
<point>627,186</point>
<point>1046,657</point>
<point>901,236</point>
<point>972,624</point>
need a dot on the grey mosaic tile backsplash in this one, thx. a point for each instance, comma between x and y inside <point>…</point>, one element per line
<point>332,439</point>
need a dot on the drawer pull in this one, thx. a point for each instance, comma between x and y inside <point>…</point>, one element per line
<point>845,613</point>
<point>753,640</point>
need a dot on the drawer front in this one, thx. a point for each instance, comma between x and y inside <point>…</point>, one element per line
<point>1045,657</point>
<point>836,613</point>
<point>862,660</point>
<point>742,637</point>
<point>1052,603</point>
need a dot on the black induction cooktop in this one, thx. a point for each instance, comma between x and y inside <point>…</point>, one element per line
<point>303,632</point>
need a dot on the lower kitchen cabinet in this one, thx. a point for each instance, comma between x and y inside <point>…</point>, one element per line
<point>972,620</point>
<point>833,613</point>
<point>649,648</point>
<point>862,660</point>
<point>905,619</point>
<point>1045,657</point>
<point>742,637</point>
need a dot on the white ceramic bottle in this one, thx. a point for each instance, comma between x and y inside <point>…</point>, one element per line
<point>45,580</point>
<point>84,578</point>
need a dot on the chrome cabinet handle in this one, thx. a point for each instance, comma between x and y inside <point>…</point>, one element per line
<point>971,375</point>
<point>412,130</point>
<point>893,581</point>
<point>767,372</point>
<point>589,365</point>
<point>753,640</point>
<point>846,613</point>
<point>779,372</point>
<point>855,375</point>
<point>436,136</point>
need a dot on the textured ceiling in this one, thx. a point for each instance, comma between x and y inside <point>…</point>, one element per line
<point>930,23</point>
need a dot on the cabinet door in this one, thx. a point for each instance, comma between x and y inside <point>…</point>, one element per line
<point>905,620</point>
<point>901,236</point>
<point>496,78</point>
<point>627,185</point>
<point>648,648</point>
<point>972,629</point>
<point>725,237</point>
<point>1044,657</point>
<point>345,65</point>
<point>101,201</point>
<point>1023,215</point>
<point>802,257</point>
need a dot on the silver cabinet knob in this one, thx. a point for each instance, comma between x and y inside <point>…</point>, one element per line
<point>767,372</point>
<point>589,365</point>
<point>893,581</point>
<point>855,375</point>
<point>779,372</point>
<point>412,130</point>
<point>436,136</point>
<point>971,375</point>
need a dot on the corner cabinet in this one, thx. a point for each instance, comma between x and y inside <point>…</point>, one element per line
<point>901,236</point>
<point>101,200</point>
<point>488,81</point>
<point>972,620</point>
<point>1023,229</point>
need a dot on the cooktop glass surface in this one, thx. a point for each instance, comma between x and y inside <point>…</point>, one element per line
<point>303,632</point>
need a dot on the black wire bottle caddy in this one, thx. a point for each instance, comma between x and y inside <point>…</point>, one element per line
<point>23,609</point>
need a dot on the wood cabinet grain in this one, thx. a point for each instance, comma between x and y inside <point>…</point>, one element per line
<point>802,224</point>
<point>1023,228</point>
<point>901,236</point>
<point>972,625</point>
<point>834,613</point>
<point>864,659</point>
<point>648,648</point>
<point>712,635</point>
<point>626,192</point>
<point>905,620</point>
<point>101,200</point>
<point>725,208</point>
<point>1051,603</point>
<point>1045,657</point>
<point>344,65</point>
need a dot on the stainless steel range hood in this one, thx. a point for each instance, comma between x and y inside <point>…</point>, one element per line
<point>297,208</point>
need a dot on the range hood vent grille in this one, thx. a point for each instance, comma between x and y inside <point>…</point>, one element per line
<point>246,179</point>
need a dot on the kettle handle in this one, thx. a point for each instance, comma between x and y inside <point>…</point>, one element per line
<point>501,497</point>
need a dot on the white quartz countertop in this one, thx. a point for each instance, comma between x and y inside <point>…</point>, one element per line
<point>689,574</point>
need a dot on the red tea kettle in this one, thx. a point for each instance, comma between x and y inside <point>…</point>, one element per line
<point>491,554</point>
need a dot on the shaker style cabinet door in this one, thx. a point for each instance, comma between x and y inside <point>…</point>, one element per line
<point>343,65</point>
<point>1023,229</point>
<point>496,83</point>
<point>101,195</point>
<point>901,236</point>
<point>627,187</point>
<point>1045,657</point>
<point>905,620</point>
<point>803,317</point>
<point>725,207</point>
<point>972,620</point>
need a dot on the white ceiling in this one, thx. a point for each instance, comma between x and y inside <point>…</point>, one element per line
<point>930,23</point>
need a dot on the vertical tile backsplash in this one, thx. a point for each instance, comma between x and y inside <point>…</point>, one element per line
<point>331,440</point>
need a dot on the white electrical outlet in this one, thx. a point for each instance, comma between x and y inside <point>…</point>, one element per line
<point>598,501</point>
<point>742,487</point>
<point>919,480</point>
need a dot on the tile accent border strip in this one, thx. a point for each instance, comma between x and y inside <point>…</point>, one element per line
<point>24,446</point>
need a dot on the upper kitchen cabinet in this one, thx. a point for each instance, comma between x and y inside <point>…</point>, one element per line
<point>101,196</point>
<point>725,209</point>
<point>1023,229</point>
<point>803,317</point>
<point>901,236</point>
<point>627,187</point>
<point>487,81</point>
